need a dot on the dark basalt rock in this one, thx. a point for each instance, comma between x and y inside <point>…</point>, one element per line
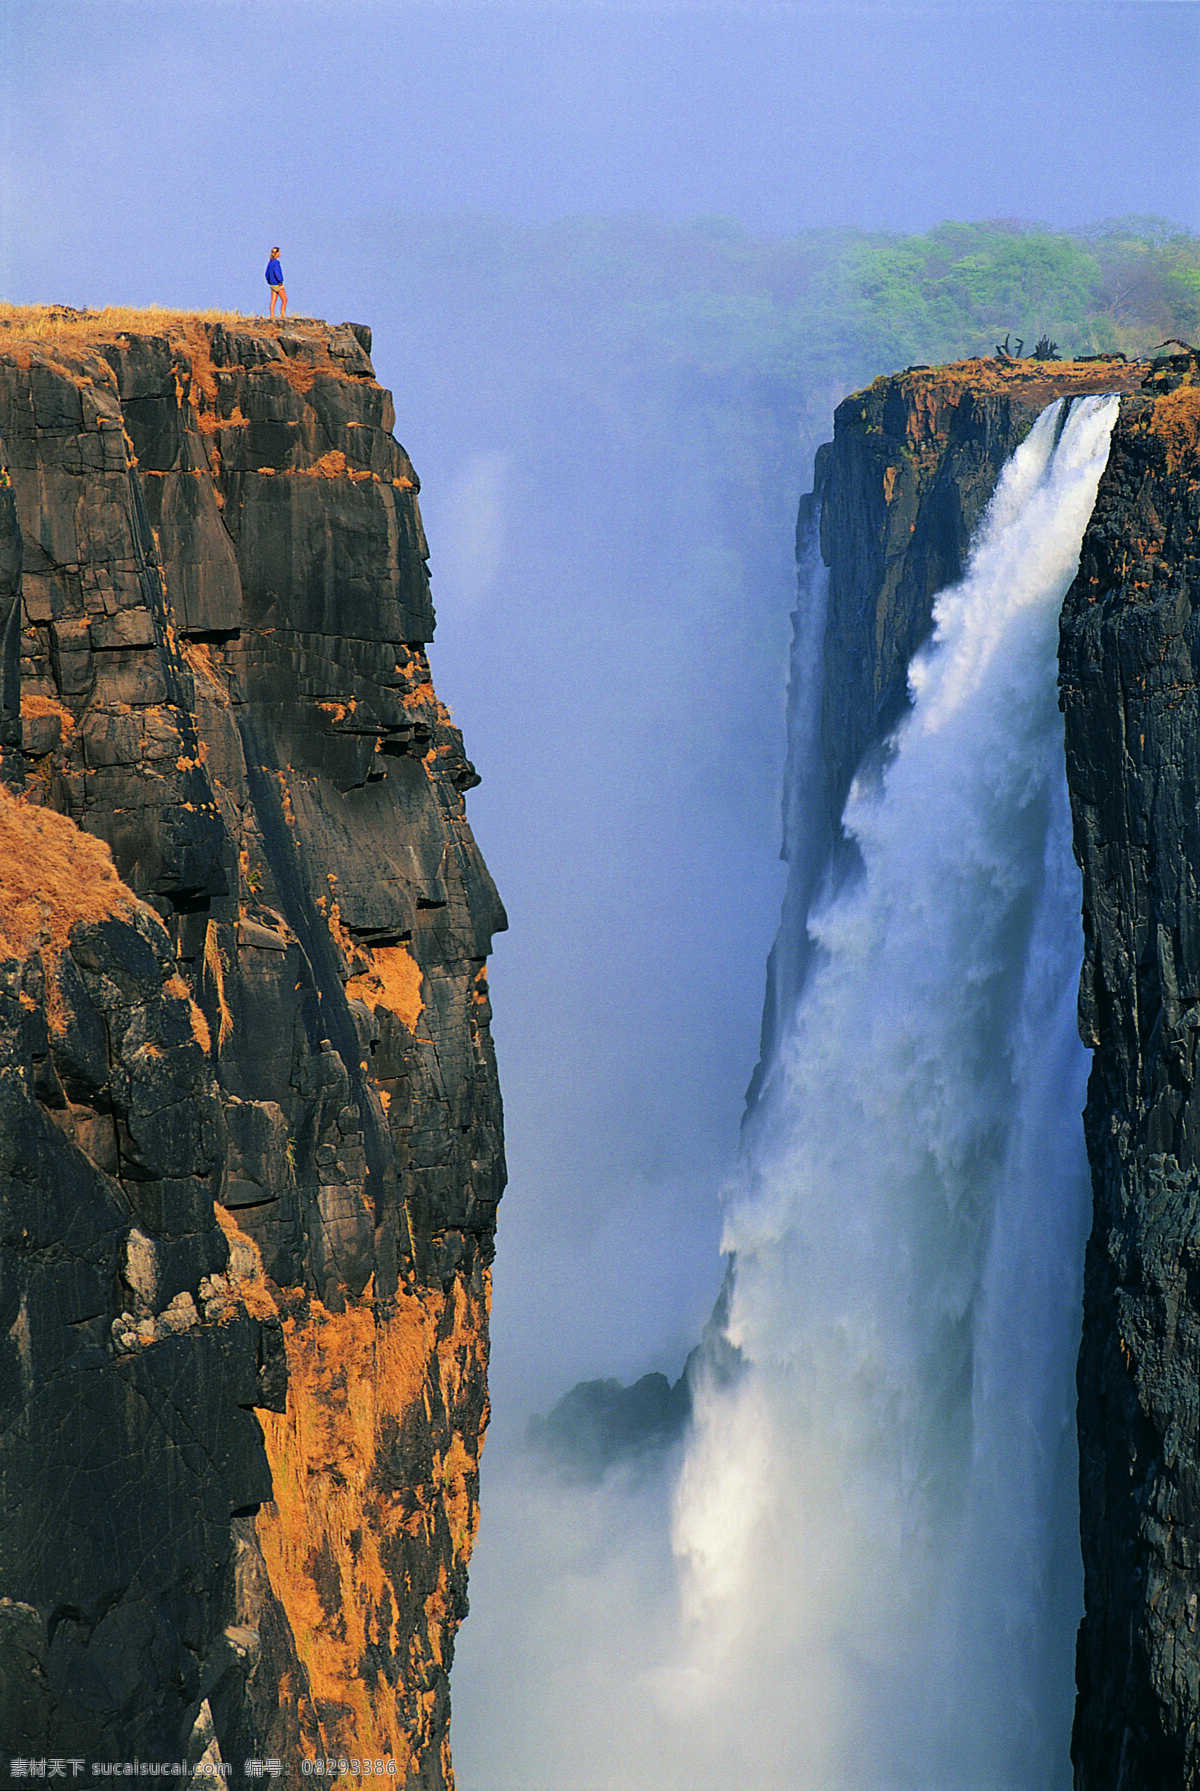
<point>126,1436</point>
<point>1130,648</point>
<point>914,460</point>
<point>11,761</point>
<point>250,1142</point>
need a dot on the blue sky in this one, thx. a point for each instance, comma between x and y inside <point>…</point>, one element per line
<point>150,146</point>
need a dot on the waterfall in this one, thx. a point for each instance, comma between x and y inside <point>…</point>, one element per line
<point>877,1519</point>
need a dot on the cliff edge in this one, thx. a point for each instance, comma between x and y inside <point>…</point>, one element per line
<point>251,1150</point>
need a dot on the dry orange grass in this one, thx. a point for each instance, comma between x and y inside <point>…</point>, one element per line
<point>1036,382</point>
<point>54,876</point>
<point>55,324</point>
<point>333,466</point>
<point>1176,419</point>
<point>59,325</point>
<point>392,982</point>
<point>57,328</point>
<point>54,328</point>
<point>204,379</point>
<point>35,703</point>
<point>214,965</point>
<point>246,1268</point>
<point>299,374</point>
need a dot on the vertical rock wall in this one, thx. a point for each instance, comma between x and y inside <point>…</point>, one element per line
<point>1130,664</point>
<point>264,1070</point>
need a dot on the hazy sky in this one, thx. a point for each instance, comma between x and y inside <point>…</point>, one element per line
<point>150,147</point>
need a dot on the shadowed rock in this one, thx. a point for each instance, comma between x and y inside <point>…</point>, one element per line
<point>1129,652</point>
<point>251,1139</point>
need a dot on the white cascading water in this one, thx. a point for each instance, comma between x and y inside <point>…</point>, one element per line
<point>878,1520</point>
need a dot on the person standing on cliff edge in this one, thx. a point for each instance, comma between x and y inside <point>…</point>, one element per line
<point>275,282</point>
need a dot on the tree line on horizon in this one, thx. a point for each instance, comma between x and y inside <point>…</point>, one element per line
<point>752,334</point>
<point>721,297</point>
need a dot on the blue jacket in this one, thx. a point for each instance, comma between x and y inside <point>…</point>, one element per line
<point>274,272</point>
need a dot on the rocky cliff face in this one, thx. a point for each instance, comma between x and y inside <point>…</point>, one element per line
<point>1129,658</point>
<point>913,461</point>
<point>250,1150</point>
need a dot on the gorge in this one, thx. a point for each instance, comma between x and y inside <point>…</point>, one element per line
<point>906,1232</point>
<point>931,938</point>
<point>791,1641</point>
<point>252,1135</point>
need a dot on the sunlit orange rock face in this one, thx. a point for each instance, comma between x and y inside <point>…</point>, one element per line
<point>256,1051</point>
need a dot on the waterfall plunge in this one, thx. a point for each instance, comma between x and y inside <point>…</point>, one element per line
<point>878,1521</point>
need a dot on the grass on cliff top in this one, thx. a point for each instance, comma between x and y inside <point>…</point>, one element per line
<point>1033,380</point>
<point>61,324</point>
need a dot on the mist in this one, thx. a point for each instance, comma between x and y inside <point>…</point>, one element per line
<point>611,534</point>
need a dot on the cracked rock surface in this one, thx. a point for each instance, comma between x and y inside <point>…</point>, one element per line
<point>250,1146</point>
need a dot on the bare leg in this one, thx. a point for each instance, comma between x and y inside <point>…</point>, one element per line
<point>278,292</point>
